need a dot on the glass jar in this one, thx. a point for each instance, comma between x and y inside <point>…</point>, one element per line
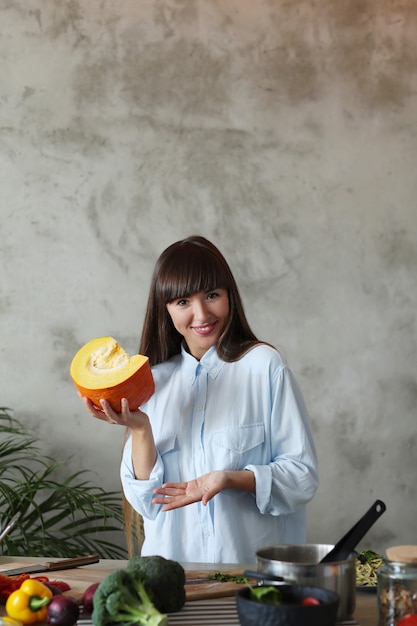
<point>397,591</point>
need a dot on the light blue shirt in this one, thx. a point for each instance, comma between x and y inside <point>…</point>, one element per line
<point>210,415</point>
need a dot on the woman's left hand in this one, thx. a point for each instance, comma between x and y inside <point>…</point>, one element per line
<point>204,488</point>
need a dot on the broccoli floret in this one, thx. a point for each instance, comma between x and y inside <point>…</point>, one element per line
<point>123,607</point>
<point>166,580</point>
<point>121,599</point>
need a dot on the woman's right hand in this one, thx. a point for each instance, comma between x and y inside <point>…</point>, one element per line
<point>135,420</point>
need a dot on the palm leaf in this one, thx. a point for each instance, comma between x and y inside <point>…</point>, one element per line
<point>58,517</point>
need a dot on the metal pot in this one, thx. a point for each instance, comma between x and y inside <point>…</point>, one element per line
<point>299,564</point>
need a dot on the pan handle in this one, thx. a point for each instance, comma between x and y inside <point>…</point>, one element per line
<point>264,579</point>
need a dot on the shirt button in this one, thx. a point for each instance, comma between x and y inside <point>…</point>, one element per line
<point>190,377</point>
<point>214,370</point>
<point>200,407</point>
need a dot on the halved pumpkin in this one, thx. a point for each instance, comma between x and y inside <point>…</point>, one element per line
<point>101,369</point>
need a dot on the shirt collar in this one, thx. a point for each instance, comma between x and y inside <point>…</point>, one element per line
<point>210,362</point>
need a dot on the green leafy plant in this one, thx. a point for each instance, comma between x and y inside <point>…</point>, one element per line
<point>57,517</point>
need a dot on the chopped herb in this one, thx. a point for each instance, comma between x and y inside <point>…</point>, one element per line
<point>224,578</point>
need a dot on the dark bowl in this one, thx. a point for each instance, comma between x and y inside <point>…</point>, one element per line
<point>291,612</point>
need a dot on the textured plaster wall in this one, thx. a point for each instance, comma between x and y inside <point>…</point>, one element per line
<point>286,132</point>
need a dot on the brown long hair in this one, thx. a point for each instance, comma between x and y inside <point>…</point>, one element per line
<point>188,266</point>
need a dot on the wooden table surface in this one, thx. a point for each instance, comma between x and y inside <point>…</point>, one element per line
<point>366,602</point>
<point>366,611</point>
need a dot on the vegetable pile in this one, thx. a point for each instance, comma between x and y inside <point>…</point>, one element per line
<point>8,584</point>
<point>34,601</point>
<point>139,595</point>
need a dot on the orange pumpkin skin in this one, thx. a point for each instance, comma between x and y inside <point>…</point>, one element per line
<point>133,380</point>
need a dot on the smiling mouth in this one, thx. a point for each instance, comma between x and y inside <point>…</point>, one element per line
<point>206,329</point>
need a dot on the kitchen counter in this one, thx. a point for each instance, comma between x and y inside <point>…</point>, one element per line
<point>221,609</point>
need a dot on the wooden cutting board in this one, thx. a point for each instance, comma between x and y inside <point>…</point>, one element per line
<point>212,588</point>
<point>82,577</point>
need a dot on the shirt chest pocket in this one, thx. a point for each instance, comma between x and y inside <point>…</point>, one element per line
<point>168,449</point>
<point>235,447</point>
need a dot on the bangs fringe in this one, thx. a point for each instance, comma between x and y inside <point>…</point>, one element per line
<point>188,276</point>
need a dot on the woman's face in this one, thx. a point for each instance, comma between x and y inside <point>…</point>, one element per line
<point>200,318</point>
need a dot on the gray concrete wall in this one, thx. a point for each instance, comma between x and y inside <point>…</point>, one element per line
<point>283,131</point>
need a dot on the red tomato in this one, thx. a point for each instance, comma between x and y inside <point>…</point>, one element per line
<point>310,601</point>
<point>408,620</point>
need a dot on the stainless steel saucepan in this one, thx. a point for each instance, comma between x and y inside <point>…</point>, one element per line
<point>300,565</point>
<point>321,565</point>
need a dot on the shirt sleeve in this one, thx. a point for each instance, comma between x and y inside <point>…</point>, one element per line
<point>139,493</point>
<point>290,480</point>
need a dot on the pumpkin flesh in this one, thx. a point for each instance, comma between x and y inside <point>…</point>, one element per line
<point>101,369</point>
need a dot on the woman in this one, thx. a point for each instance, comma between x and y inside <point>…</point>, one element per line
<point>220,461</point>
